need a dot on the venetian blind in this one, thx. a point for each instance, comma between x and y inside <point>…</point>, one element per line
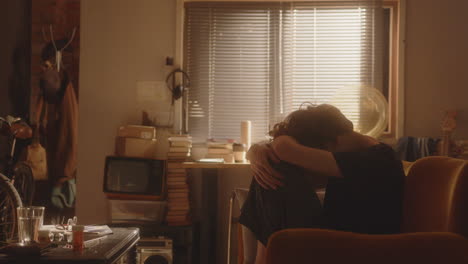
<point>259,62</point>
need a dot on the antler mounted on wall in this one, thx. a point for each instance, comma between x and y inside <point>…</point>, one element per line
<point>58,51</point>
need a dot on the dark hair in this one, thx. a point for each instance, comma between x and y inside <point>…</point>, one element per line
<point>314,126</point>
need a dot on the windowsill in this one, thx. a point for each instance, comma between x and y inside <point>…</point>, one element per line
<point>205,165</point>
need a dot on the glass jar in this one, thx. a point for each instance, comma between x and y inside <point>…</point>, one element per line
<point>239,152</point>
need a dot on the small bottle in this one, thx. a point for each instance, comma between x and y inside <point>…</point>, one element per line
<point>78,238</point>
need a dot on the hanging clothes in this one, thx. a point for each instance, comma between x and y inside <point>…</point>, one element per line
<point>66,147</point>
<point>57,117</point>
<point>413,148</point>
<point>61,137</point>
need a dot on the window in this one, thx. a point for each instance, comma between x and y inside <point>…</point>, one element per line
<point>260,61</point>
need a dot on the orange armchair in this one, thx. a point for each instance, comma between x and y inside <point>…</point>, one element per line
<point>434,225</point>
<point>436,196</point>
<point>300,246</point>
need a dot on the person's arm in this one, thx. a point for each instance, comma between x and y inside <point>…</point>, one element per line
<point>316,160</point>
<point>261,157</point>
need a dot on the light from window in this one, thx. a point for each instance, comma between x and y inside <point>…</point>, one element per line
<point>259,62</point>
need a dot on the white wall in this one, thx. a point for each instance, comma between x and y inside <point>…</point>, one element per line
<point>122,42</point>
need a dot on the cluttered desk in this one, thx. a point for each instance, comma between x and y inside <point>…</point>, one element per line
<point>97,249</point>
<point>66,243</point>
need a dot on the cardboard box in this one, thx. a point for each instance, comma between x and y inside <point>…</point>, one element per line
<point>133,131</point>
<point>135,147</point>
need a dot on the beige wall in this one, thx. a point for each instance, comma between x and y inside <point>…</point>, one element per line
<point>436,65</point>
<point>125,41</point>
<point>122,42</point>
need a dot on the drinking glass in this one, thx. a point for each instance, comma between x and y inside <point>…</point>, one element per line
<point>30,220</point>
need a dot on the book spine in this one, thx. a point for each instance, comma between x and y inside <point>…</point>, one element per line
<point>179,200</point>
<point>174,213</point>
<point>175,175</point>
<point>177,180</point>
<point>178,218</point>
<point>186,144</point>
<point>171,171</point>
<point>178,207</point>
<point>175,195</point>
<point>179,149</point>
<point>183,223</point>
<point>178,191</point>
<point>178,186</point>
<point>175,165</point>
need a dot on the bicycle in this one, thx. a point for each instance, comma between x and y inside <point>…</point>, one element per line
<point>17,183</point>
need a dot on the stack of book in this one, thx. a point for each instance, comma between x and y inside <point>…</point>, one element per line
<point>178,195</point>
<point>179,147</point>
<point>220,149</point>
<point>178,190</point>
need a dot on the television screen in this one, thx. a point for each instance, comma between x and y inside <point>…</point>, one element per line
<point>134,178</point>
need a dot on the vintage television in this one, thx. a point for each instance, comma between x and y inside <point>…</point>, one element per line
<point>130,178</point>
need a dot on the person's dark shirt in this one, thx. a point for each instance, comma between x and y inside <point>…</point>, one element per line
<point>368,198</point>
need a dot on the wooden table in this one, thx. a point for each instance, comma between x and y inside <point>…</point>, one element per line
<point>209,204</point>
<point>108,250</point>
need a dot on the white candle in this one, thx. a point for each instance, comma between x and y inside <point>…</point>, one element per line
<point>246,130</point>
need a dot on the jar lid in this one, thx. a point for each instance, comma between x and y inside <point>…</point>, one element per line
<point>238,147</point>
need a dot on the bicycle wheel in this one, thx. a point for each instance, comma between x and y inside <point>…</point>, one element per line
<point>9,201</point>
<point>24,182</point>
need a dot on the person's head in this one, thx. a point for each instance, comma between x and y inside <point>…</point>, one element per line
<point>314,126</point>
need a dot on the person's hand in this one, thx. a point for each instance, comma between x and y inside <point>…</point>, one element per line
<point>261,158</point>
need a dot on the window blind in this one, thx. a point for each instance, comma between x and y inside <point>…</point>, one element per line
<point>331,48</point>
<point>260,61</point>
